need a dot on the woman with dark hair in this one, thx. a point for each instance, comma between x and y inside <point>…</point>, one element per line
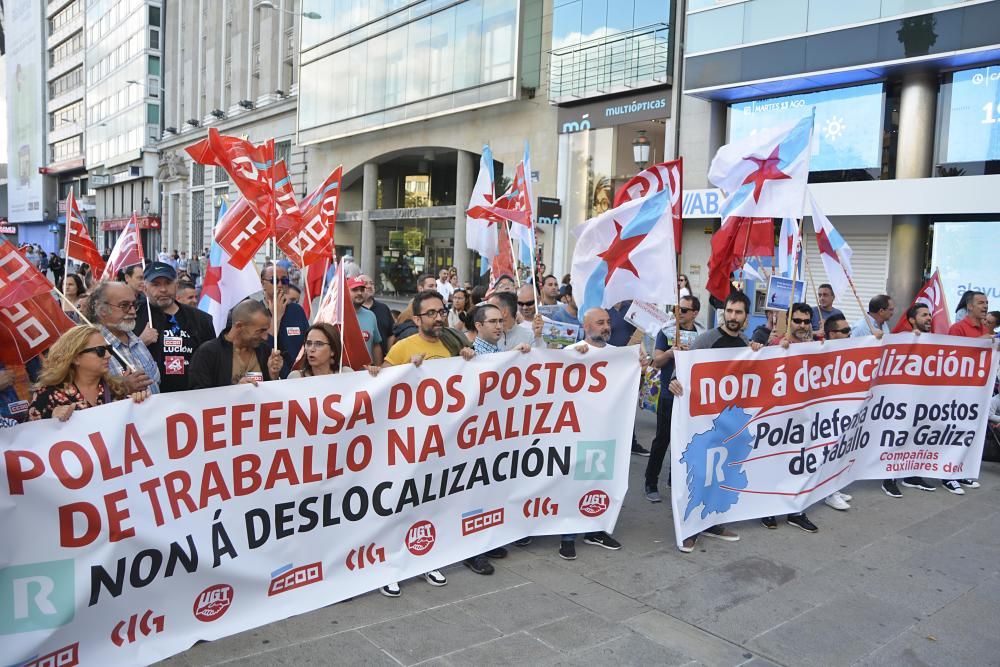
<point>75,376</point>
<point>993,320</point>
<point>460,315</point>
<point>962,309</point>
<point>74,290</point>
<point>322,352</point>
<point>683,285</point>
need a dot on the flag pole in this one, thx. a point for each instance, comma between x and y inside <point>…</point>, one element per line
<point>274,248</point>
<point>322,289</point>
<point>812,283</point>
<point>850,281</point>
<point>510,242</point>
<point>796,246</point>
<point>138,243</point>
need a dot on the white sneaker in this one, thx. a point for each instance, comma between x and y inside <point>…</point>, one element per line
<point>391,590</point>
<point>847,497</point>
<point>836,502</point>
<point>435,578</point>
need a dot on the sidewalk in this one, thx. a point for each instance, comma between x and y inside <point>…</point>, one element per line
<point>910,581</point>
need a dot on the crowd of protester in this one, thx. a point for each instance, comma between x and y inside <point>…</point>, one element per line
<point>143,334</point>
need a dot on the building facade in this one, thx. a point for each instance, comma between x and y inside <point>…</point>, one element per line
<point>122,71</point>
<point>420,88</point>
<point>906,138</point>
<point>232,65</point>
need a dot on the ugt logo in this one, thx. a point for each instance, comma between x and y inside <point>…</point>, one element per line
<point>595,460</point>
<point>36,596</point>
<point>420,538</point>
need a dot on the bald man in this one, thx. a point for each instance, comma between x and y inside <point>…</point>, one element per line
<point>526,302</point>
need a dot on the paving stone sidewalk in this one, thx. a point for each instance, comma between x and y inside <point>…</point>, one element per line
<point>910,581</point>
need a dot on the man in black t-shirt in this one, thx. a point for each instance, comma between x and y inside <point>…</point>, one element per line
<point>383,315</point>
<point>180,329</point>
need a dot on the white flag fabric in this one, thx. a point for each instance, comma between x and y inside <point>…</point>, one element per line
<point>765,174</point>
<point>627,253</point>
<point>834,251</point>
<point>480,227</point>
<point>787,251</point>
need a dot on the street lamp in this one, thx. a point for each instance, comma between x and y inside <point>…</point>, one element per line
<point>640,149</point>
<point>269,4</point>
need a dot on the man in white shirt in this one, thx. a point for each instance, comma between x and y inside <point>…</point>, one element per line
<point>443,285</point>
<point>880,311</point>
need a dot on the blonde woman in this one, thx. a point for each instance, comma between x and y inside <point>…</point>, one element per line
<point>75,377</point>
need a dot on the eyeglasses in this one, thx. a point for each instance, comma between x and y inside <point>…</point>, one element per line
<point>525,304</point>
<point>434,313</point>
<point>99,350</point>
<point>800,321</point>
<point>314,343</point>
<point>125,306</point>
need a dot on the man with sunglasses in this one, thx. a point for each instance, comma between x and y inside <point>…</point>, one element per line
<point>663,359</point>
<point>112,309</point>
<point>292,320</point>
<point>836,327</point>
<point>180,329</point>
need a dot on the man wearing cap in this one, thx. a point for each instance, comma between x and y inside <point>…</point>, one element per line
<point>180,329</point>
<point>366,319</point>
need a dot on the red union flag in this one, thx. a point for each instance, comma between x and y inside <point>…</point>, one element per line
<point>29,328</point>
<point>312,241</point>
<point>932,296</point>
<point>79,245</point>
<point>127,251</point>
<point>251,168</point>
<point>19,280</point>
<point>656,178</point>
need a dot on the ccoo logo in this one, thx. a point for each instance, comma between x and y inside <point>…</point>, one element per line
<point>420,538</point>
<point>594,503</point>
<point>213,602</point>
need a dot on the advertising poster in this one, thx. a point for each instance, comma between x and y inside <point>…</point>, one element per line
<point>25,109</point>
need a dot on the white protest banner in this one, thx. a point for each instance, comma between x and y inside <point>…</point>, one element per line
<point>141,529</point>
<point>771,432</point>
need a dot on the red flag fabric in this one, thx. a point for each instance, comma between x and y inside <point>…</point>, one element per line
<point>336,309</point>
<point>503,263</point>
<point>737,239</point>
<point>251,168</point>
<point>31,327</point>
<point>127,251</point>
<point>932,296</point>
<point>19,279</point>
<point>314,241</point>
<point>654,179</point>
<point>79,246</point>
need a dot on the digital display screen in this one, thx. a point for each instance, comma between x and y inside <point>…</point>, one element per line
<point>848,132</point>
<point>973,127</point>
<point>958,254</point>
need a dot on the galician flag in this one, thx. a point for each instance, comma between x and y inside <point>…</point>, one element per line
<point>787,250</point>
<point>834,251</point>
<point>525,233</point>
<point>224,285</point>
<point>765,174</point>
<point>480,223</point>
<point>627,253</point>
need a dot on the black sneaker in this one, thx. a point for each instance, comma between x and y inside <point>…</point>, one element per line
<point>917,483</point>
<point>890,489</point>
<point>523,542</point>
<point>639,450</point>
<point>721,533</point>
<point>567,550</point>
<point>971,483</point>
<point>801,521</point>
<point>479,564</point>
<point>499,552</point>
<point>769,522</point>
<point>602,539</point>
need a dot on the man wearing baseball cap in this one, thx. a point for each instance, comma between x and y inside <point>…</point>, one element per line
<point>179,329</point>
<point>366,318</point>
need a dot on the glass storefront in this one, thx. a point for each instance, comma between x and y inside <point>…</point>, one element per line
<point>408,248</point>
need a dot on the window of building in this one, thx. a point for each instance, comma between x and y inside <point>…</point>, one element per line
<point>220,175</point>
<point>65,16</point>
<point>67,49</point>
<point>67,148</point>
<point>154,38</point>
<point>197,174</point>
<point>283,151</point>
<point>66,83</point>
<point>67,115</point>
<point>197,216</point>
<point>416,191</point>
<point>152,114</point>
<point>153,65</point>
<point>154,16</point>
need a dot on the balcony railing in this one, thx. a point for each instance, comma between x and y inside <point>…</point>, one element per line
<point>609,64</point>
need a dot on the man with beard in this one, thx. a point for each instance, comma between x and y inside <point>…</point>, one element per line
<point>735,313</point>
<point>919,318</point>
<point>180,329</point>
<point>429,316</point>
<point>366,320</point>
<point>112,308</point>
<point>973,325</point>
<point>240,354</point>
<point>799,331</point>
<point>187,294</point>
<point>292,320</point>
<point>663,359</point>
<point>825,310</point>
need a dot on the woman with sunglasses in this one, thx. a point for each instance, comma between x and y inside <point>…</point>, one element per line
<point>683,285</point>
<point>75,376</point>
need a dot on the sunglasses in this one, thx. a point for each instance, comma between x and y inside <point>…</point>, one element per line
<point>281,281</point>
<point>99,350</point>
<point>845,330</point>
<point>799,321</point>
<point>685,311</point>
<point>525,304</point>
